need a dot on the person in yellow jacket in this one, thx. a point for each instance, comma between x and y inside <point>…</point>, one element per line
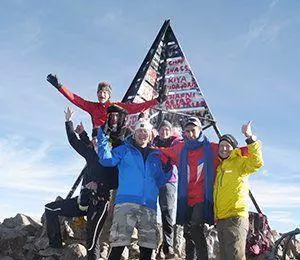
<point>231,191</point>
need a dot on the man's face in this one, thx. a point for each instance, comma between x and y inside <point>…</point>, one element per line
<point>142,137</point>
<point>103,95</point>
<point>225,149</point>
<point>192,132</point>
<point>164,132</point>
<point>113,118</point>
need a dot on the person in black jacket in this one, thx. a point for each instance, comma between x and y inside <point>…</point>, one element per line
<point>94,195</point>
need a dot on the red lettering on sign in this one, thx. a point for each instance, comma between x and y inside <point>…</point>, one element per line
<point>178,69</point>
<point>175,62</point>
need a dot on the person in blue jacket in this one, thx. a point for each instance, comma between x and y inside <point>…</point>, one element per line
<point>141,174</point>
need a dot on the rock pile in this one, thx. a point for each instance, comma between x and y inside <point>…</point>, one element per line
<point>22,238</point>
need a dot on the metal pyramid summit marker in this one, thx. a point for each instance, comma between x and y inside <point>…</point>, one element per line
<point>166,64</point>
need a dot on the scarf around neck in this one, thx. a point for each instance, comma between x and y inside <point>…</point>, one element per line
<point>190,145</point>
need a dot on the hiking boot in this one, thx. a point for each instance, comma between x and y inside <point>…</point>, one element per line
<point>133,251</point>
<point>159,253</point>
<point>104,250</point>
<point>170,256</point>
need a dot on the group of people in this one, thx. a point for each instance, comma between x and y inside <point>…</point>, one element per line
<point>208,181</point>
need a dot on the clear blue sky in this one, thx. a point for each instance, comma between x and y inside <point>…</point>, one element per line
<point>245,55</point>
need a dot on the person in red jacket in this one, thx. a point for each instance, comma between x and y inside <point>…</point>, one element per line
<point>97,110</point>
<point>195,157</point>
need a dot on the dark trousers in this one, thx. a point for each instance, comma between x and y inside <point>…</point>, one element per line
<point>196,247</point>
<point>104,237</point>
<point>116,253</point>
<point>96,215</point>
<point>167,205</point>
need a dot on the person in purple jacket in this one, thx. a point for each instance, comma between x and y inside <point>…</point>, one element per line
<point>167,194</point>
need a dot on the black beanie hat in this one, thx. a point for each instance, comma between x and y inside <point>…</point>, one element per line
<point>115,108</point>
<point>230,139</point>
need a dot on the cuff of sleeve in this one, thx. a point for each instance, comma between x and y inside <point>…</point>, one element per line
<point>83,134</point>
<point>251,139</point>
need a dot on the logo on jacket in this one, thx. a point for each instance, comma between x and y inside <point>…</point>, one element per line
<point>199,171</point>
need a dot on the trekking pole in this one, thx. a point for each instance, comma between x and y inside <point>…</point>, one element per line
<point>76,183</point>
<point>65,220</point>
<point>254,202</point>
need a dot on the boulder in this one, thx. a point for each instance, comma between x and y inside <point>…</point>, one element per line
<point>41,243</point>
<point>21,220</point>
<point>54,252</point>
<point>6,258</point>
<point>74,252</point>
<point>21,238</point>
<point>11,242</point>
<point>15,233</point>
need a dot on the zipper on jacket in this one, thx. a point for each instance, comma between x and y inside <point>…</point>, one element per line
<point>144,171</point>
<point>219,186</point>
<point>144,175</point>
<point>144,180</point>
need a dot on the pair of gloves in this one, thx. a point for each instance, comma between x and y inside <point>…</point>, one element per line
<point>162,93</point>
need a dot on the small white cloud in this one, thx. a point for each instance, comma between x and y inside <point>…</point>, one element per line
<point>281,157</point>
<point>266,29</point>
<point>29,167</point>
<point>265,172</point>
<point>263,27</point>
<point>274,195</point>
<point>30,178</point>
<point>111,18</point>
<point>283,221</point>
<point>273,4</point>
<point>285,217</point>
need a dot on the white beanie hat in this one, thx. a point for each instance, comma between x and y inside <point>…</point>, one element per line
<point>144,124</point>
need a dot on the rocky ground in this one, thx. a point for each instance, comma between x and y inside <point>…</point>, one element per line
<point>22,238</point>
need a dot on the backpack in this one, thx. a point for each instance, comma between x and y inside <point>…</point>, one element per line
<point>257,241</point>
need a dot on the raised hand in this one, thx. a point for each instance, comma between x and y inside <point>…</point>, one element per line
<point>68,114</point>
<point>79,128</point>
<point>92,186</point>
<point>246,129</point>
<point>52,79</point>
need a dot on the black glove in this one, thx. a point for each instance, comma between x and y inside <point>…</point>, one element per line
<point>162,94</point>
<point>84,137</point>
<point>167,166</point>
<point>54,81</point>
<point>84,199</point>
